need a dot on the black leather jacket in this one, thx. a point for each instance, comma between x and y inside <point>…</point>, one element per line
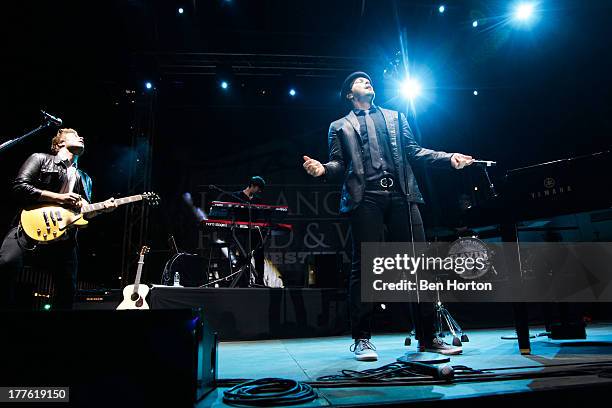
<point>43,171</point>
<point>345,157</point>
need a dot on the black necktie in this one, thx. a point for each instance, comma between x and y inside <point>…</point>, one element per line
<point>373,142</point>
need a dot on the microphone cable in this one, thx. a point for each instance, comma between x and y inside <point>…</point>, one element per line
<point>267,392</point>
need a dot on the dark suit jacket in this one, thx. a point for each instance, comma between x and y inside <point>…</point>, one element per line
<point>345,157</point>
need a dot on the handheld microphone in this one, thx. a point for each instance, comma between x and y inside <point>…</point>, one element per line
<point>486,163</point>
<point>52,119</point>
<point>441,372</point>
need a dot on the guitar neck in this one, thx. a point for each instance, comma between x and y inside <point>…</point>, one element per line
<point>138,273</point>
<point>87,208</point>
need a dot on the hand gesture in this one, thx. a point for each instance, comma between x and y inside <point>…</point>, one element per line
<point>313,167</point>
<point>459,161</point>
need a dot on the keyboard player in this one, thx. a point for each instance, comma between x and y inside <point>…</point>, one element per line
<point>251,194</point>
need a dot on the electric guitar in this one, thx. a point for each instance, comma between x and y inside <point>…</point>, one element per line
<point>134,295</point>
<point>47,223</point>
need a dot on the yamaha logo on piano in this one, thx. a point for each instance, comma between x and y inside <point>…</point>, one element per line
<point>551,189</point>
<point>549,182</point>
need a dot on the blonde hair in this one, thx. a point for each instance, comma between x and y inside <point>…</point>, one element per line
<point>59,138</point>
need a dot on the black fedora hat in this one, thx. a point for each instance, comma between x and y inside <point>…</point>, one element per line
<point>348,83</point>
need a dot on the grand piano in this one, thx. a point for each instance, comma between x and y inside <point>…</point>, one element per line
<point>540,199</point>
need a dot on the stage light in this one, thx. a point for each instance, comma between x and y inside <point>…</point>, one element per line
<point>442,9</point>
<point>292,92</point>
<point>410,88</point>
<point>180,10</point>
<point>47,306</point>
<point>148,85</point>
<point>475,92</point>
<point>524,11</point>
<point>224,85</point>
<point>475,23</point>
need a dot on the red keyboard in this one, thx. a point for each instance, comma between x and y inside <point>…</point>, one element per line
<point>239,212</point>
<point>214,224</point>
<point>264,207</point>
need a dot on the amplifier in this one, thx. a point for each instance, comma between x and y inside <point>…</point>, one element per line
<point>112,358</point>
<point>96,299</point>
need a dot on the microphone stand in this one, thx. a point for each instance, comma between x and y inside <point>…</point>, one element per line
<point>249,242</point>
<point>491,186</point>
<point>484,164</point>
<point>9,143</point>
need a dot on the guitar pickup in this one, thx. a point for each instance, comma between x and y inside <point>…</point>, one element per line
<point>46,219</point>
<point>58,215</point>
<point>52,218</point>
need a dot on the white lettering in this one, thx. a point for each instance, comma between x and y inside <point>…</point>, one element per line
<point>377,268</point>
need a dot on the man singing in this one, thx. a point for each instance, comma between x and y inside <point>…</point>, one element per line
<point>373,149</point>
<point>54,179</point>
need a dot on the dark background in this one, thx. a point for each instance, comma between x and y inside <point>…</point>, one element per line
<point>543,92</point>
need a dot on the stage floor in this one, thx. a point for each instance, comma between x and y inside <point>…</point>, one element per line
<point>307,359</point>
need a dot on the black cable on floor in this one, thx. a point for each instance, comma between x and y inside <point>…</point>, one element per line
<point>269,392</point>
<point>389,372</point>
<point>399,373</point>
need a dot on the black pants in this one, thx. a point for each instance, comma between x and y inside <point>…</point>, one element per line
<point>59,258</point>
<point>377,210</point>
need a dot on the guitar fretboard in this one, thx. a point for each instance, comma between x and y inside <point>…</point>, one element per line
<point>100,206</point>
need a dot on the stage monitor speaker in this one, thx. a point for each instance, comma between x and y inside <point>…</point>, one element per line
<point>568,331</point>
<point>112,358</point>
<point>97,299</point>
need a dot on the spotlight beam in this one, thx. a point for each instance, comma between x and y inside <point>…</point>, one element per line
<point>411,88</point>
<point>524,11</point>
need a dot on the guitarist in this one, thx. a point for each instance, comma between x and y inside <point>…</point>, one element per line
<point>55,179</point>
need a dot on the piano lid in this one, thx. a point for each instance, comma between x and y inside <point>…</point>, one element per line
<point>549,189</point>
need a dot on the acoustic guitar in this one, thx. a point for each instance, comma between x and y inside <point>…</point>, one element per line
<point>134,295</point>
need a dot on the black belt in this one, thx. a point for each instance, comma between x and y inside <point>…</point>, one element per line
<point>385,183</point>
